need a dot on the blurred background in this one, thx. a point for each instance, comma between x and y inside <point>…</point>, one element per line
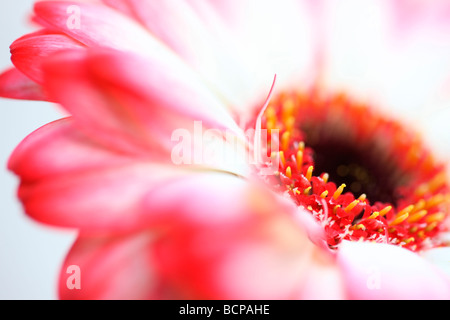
<point>30,254</point>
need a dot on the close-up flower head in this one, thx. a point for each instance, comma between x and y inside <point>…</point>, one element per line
<point>238,149</point>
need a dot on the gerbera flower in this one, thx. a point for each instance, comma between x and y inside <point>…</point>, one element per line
<point>355,196</point>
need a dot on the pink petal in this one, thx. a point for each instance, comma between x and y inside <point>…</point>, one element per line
<point>284,47</point>
<point>15,85</point>
<point>30,51</point>
<point>207,251</point>
<point>126,98</point>
<point>241,243</point>
<point>209,50</point>
<point>173,22</point>
<point>110,269</point>
<point>60,148</point>
<point>324,281</point>
<point>379,271</point>
<point>107,200</point>
<point>102,26</point>
<point>231,240</point>
<point>202,198</point>
<point>96,25</point>
<point>71,181</point>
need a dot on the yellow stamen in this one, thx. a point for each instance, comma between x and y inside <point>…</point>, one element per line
<point>301,146</point>
<point>417,216</point>
<point>407,209</point>
<point>271,124</point>
<point>336,208</point>
<point>431,226</point>
<point>324,194</point>
<point>438,181</point>
<point>374,215</point>
<point>359,227</point>
<point>325,177</point>
<point>351,206</point>
<point>419,205</point>
<point>285,138</point>
<point>299,160</point>
<point>436,217</point>
<point>289,123</point>
<point>339,191</point>
<point>385,211</point>
<point>399,219</point>
<point>288,109</point>
<point>309,173</point>
<point>289,172</point>
<point>271,112</point>
<point>362,197</point>
<point>283,160</point>
<point>408,241</point>
<point>433,185</point>
<point>307,191</point>
<point>435,201</point>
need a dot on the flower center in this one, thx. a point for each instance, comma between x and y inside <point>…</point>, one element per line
<point>361,175</point>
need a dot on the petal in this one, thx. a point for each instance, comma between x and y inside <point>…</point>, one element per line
<point>30,51</point>
<point>207,251</point>
<point>108,200</point>
<point>70,181</point>
<point>130,98</point>
<point>110,269</point>
<point>93,24</point>
<point>60,148</point>
<point>209,50</point>
<point>241,243</point>
<point>231,44</point>
<point>190,206</point>
<point>381,271</point>
<point>15,85</point>
<point>324,281</point>
<point>247,248</point>
<point>102,26</point>
<point>278,36</point>
<point>439,257</point>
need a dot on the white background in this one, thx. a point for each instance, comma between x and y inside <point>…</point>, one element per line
<point>30,254</point>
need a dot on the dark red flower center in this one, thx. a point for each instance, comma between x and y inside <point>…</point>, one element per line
<point>360,174</point>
